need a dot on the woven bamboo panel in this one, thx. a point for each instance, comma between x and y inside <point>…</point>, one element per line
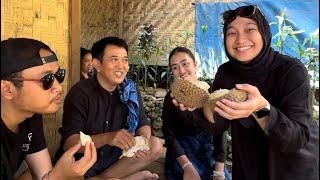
<point>99,19</point>
<point>47,21</point>
<point>169,17</point>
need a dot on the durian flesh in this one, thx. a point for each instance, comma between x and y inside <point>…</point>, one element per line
<point>84,138</point>
<point>141,143</point>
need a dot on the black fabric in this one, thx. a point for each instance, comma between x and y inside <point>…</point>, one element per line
<point>93,110</point>
<point>6,172</point>
<point>288,148</point>
<point>16,146</point>
<point>18,54</point>
<point>178,123</point>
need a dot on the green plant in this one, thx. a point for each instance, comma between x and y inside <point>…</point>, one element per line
<point>146,45</point>
<point>311,57</point>
<point>284,31</point>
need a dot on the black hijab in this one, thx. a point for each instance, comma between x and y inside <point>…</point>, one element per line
<point>263,61</point>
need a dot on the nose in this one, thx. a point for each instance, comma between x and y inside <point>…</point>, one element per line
<point>240,37</point>
<point>56,87</point>
<point>181,70</point>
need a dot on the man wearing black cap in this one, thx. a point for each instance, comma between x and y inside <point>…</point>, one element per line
<point>30,86</point>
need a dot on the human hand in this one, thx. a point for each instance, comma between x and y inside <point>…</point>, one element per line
<point>121,139</point>
<point>232,110</point>
<point>67,167</point>
<point>190,173</point>
<point>181,106</point>
<point>140,154</point>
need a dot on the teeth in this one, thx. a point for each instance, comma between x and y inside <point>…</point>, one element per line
<point>118,74</point>
<point>243,48</point>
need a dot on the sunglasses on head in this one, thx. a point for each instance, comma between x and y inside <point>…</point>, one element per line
<point>47,80</point>
<point>244,11</point>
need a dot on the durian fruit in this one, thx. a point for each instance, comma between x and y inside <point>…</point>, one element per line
<point>190,94</point>
<point>84,138</point>
<point>234,94</point>
<point>141,143</point>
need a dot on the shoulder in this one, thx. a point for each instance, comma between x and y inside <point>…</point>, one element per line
<point>83,87</point>
<point>290,64</point>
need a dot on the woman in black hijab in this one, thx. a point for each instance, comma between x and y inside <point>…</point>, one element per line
<point>273,133</point>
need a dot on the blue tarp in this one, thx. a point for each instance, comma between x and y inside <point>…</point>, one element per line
<point>209,50</point>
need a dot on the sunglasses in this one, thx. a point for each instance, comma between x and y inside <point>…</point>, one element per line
<point>47,80</point>
<point>244,11</point>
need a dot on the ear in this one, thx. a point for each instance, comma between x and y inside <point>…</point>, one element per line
<point>97,64</point>
<point>195,64</point>
<point>6,89</point>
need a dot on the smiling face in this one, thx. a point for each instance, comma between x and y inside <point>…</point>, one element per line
<point>243,39</point>
<point>183,66</point>
<point>113,68</point>
<point>31,97</point>
<point>86,63</point>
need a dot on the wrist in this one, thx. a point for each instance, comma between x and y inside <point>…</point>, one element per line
<point>186,165</point>
<point>218,174</point>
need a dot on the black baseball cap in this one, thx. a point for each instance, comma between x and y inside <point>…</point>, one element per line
<point>18,54</point>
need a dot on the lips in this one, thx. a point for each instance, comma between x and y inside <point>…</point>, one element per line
<point>57,99</point>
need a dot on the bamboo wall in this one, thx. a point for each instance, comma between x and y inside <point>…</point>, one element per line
<point>47,21</point>
<point>123,18</point>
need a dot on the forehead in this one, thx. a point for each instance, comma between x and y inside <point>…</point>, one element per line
<point>113,50</point>
<point>241,22</point>
<point>179,57</point>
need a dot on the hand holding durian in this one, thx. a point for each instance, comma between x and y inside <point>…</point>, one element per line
<point>195,94</point>
<point>141,143</point>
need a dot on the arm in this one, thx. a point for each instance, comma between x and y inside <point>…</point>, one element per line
<point>220,150</point>
<point>168,116</point>
<point>39,163</point>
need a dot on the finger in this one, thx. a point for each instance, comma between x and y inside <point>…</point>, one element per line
<point>87,155</point>
<point>175,102</point>
<point>128,137</point>
<point>191,109</point>
<point>182,108</point>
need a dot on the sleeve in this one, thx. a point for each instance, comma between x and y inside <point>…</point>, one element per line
<point>220,147</point>
<point>142,115</point>
<point>74,113</point>
<point>38,141</point>
<point>168,117</point>
<point>288,125</point>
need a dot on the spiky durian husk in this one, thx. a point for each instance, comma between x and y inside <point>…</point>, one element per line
<point>234,94</point>
<point>188,94</point>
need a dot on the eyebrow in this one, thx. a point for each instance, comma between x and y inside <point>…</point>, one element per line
<point>49,71</point>
<point>184,60</point>
<point>249,23</point>
<point>114,56</point>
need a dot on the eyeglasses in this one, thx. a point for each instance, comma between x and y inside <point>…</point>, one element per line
<point>47,80</point>
<point>244,11</point>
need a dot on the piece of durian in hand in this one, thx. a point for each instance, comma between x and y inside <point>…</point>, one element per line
<point>234,94</point>
<point>141,143</point>
<point>190,94</point>
<point>84,138</point>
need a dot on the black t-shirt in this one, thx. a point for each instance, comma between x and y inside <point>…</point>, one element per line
<point>16,146</point>
<point>89,108</point>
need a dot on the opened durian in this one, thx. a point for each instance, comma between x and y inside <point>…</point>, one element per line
<point>234,94</point>
<point>190,94</point>
<point>84,138</point>
<point>141,143</point>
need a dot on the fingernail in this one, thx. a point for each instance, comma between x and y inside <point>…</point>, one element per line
<point>238,85</point>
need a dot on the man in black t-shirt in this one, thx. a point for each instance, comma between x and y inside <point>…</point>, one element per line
<point>108,107</point>
<point>30,85</point>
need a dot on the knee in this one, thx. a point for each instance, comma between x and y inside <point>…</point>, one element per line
<point>156,148</point>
